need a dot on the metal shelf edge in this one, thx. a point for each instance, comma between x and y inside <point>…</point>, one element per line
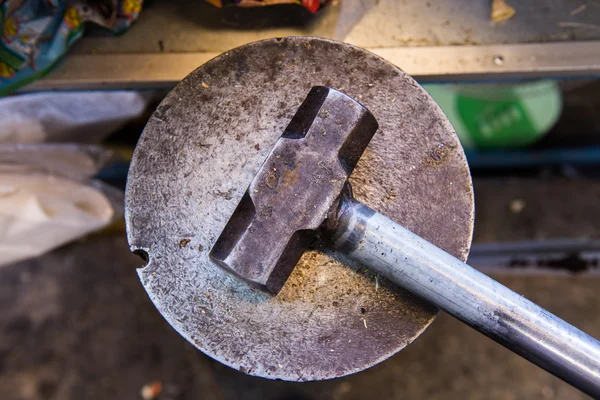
<point>426,64</point>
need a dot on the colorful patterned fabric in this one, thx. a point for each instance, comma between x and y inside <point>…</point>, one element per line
<point>312,5</point>
<point>37,33</point>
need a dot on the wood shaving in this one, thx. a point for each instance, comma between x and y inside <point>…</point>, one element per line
<point>501,11</point>
<point>517,205</point>
<point>151,390</point>
<point>578,25</point>
<point>579,9</point>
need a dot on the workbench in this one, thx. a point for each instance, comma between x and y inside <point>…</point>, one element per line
<point>432,41</point>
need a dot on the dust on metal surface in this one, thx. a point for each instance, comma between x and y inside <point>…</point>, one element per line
<point>199,153</point>
<point>294,190</point>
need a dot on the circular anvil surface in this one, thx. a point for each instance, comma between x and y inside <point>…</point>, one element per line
<point>200,151</point>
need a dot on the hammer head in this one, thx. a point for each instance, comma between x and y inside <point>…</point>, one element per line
<point>294,190</point>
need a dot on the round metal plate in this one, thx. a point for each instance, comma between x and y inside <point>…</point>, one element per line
<point>197,156</point>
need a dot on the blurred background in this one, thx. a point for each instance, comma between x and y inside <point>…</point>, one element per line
<point>80,78</point>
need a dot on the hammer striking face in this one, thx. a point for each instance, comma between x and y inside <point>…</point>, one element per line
<point>294,190</point>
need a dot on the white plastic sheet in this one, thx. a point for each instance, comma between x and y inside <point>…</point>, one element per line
<point>82,117</point>
<point>47,197</point>
<point>39,212</point>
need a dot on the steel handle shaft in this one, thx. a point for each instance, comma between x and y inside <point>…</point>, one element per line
<point>496,311</point>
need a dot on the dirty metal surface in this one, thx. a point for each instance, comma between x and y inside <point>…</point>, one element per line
<point>202,148</point>
<point>295,189</point>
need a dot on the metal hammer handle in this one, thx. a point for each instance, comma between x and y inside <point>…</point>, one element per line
<point>479,301</point>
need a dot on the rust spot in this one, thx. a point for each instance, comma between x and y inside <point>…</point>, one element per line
<point>271,179</point>
<point>226,195</point>
<point>325,339</point>
<point>289,160</point>
<point>438,155</point>
<point>267,212</point>
<point>184,242</point>
<point>161,112</point>
<point>290,177</point>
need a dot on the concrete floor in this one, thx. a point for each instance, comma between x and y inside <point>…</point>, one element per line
<point>77,324</point>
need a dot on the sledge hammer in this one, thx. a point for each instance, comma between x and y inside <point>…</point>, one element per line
<point>301,194</point>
